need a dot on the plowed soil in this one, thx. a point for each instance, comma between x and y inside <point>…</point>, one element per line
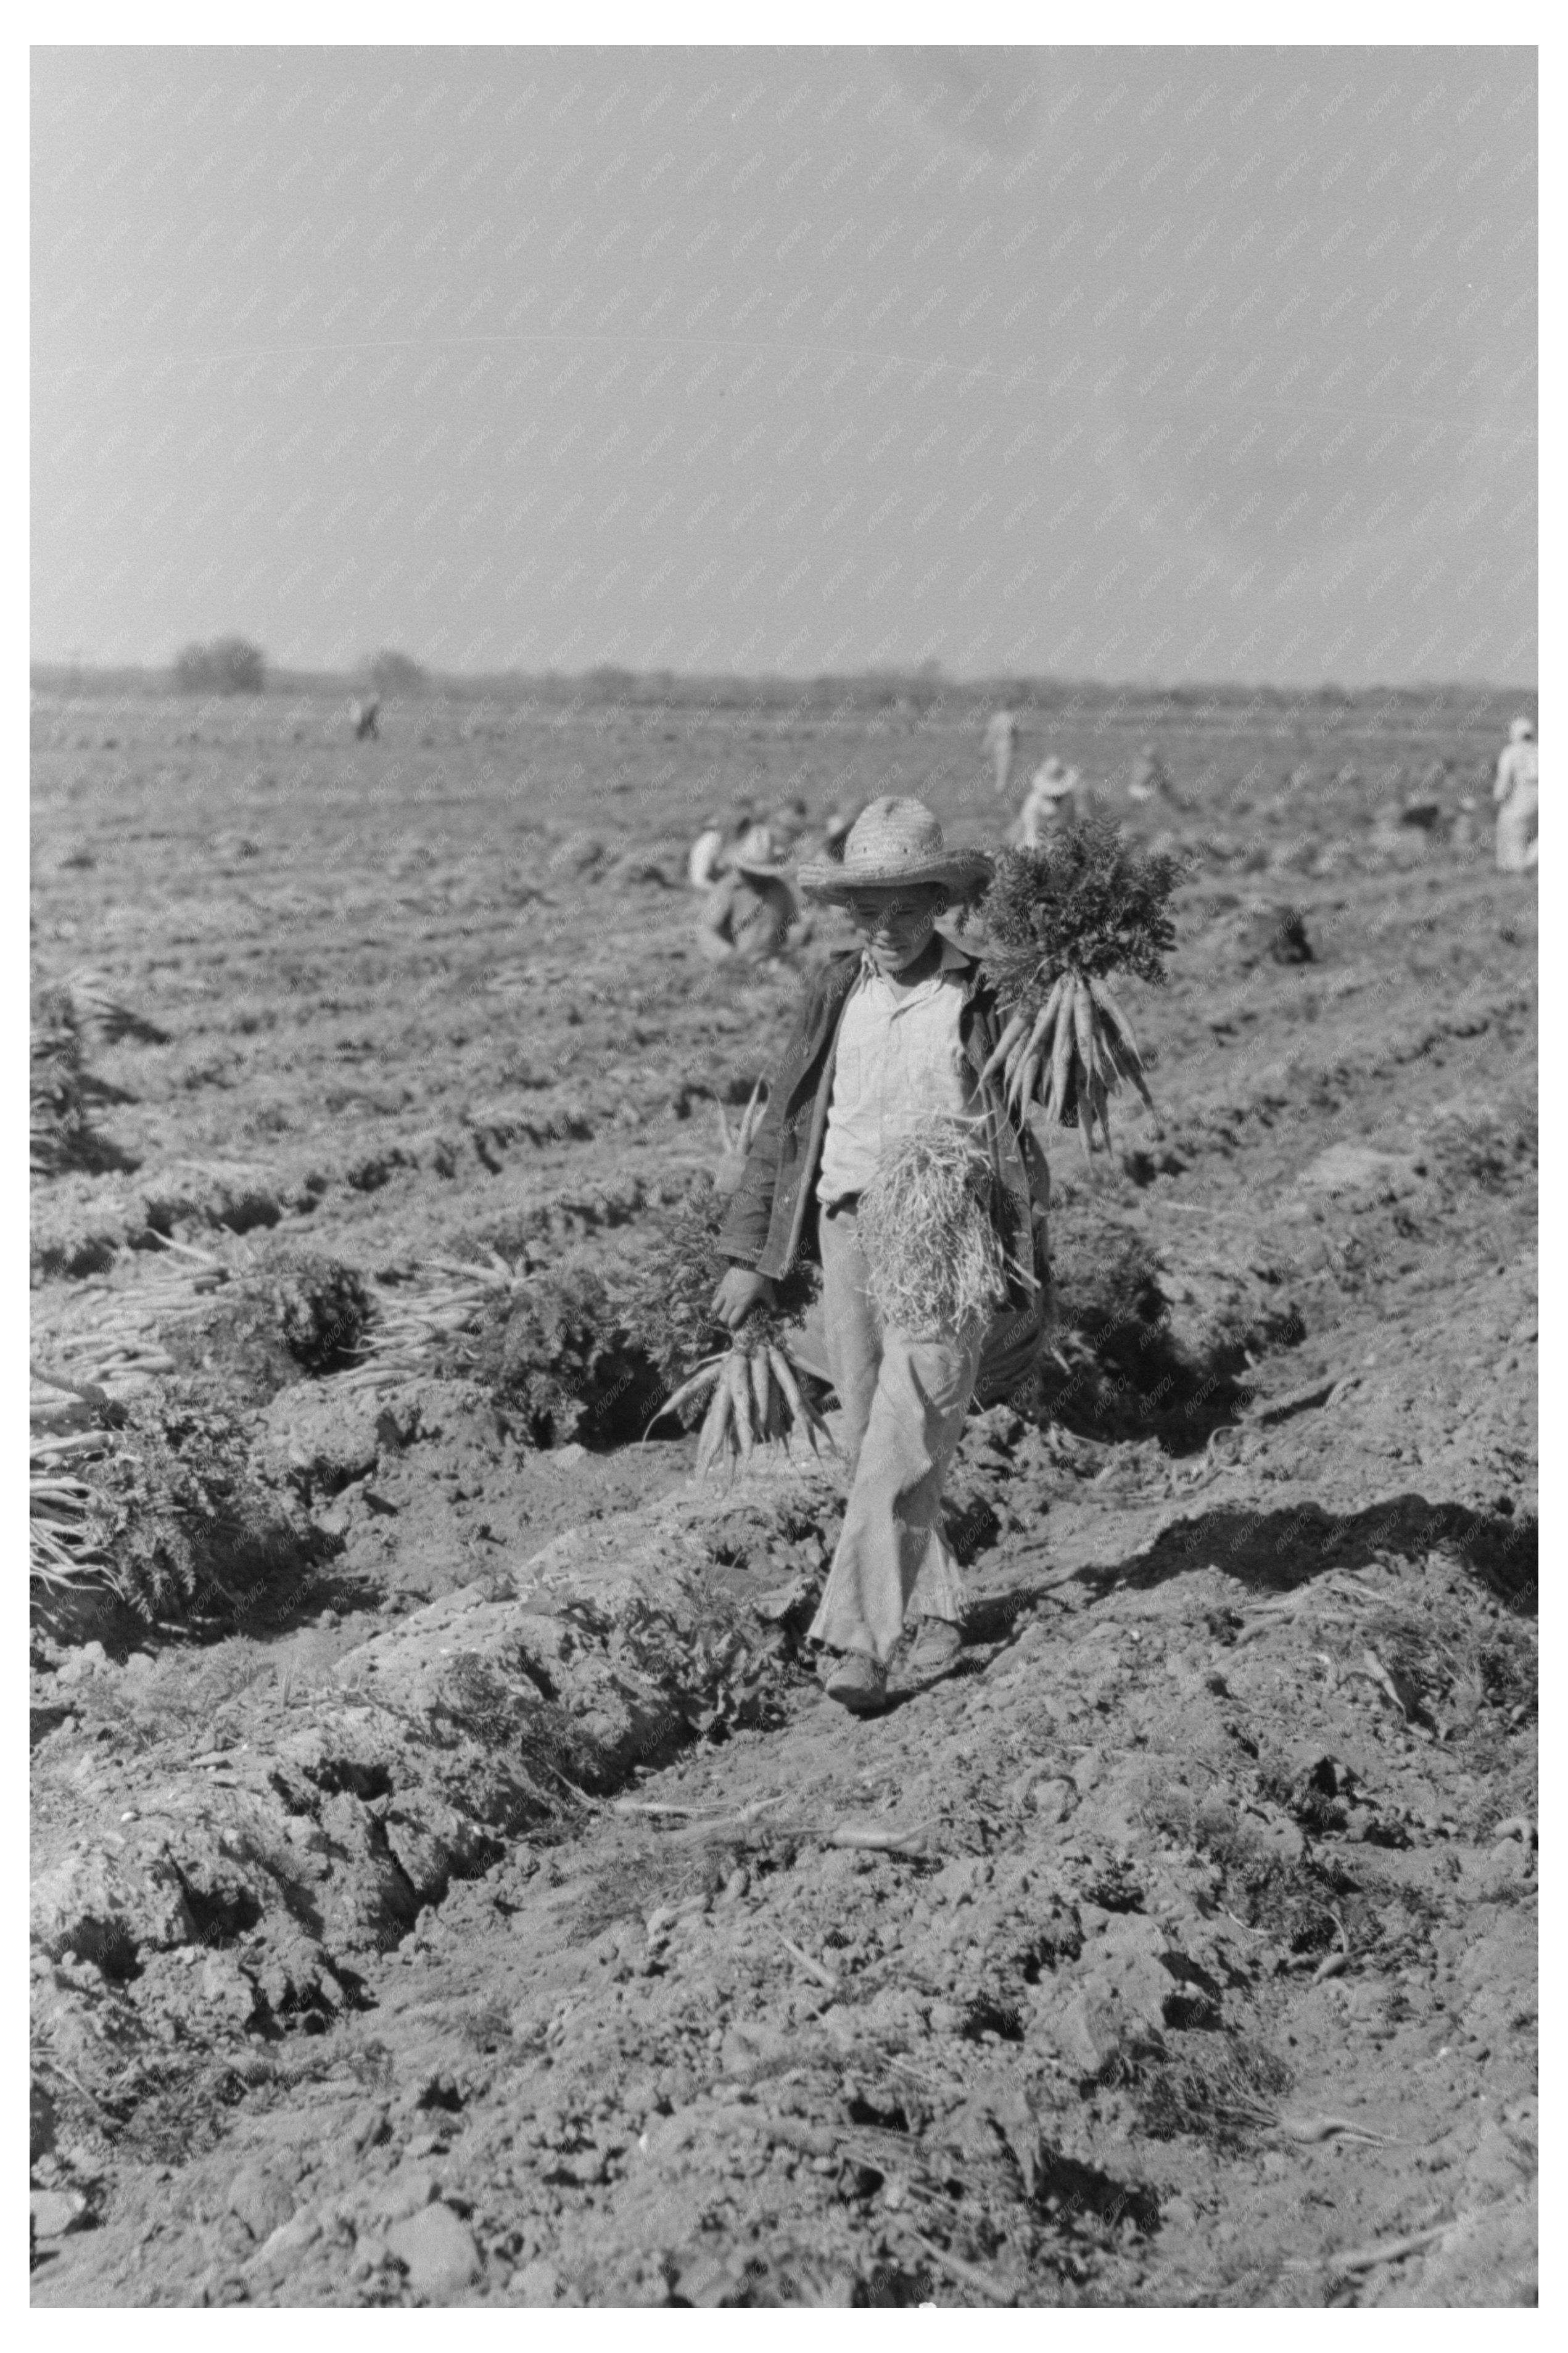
<point>508,1919</point>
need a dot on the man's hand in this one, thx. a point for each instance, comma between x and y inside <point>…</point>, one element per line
<point>739,1294</point>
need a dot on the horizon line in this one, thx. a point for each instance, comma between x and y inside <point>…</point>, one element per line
<point>613,677</point>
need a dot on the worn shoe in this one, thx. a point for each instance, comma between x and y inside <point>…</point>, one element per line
<point>859,1683</point>
<point>935,1649</point>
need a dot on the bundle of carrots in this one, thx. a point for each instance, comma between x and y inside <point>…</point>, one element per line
<point>61,1550</point>
<point>1081,1044</point>
<point>756,1397</point>
<point>1059,919</point>
<point>444,1297</point>
<point>755,1392</point>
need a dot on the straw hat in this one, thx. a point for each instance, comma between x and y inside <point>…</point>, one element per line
<point>1050,780</point>
<point>890,842</point>
<point>1521,730</point>
<point>758,854</point>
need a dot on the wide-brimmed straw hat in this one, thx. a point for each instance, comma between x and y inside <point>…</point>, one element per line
<point>757,854</point>
<point>893,841</point>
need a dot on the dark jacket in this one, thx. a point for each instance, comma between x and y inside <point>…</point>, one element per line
<point>772,1218</point>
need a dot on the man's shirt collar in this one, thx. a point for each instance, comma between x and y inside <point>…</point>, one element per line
<point>953,959</point>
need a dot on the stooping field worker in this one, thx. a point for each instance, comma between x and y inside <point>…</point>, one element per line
<point>750,911</point>
<point>882,1085</point>
<point>1053,799</point>
<point>1517,792</point>
<point>712,852</point>
<point>1151,781</point>
<point>1149,777</point>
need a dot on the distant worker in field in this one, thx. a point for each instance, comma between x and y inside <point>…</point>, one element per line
<point>703,865</point>
<point>742,819</point>
<point>788,823</point>
<point>1002,743</point>
<point>1517,793</point>
<point>751,909</point>
<point>1151,781</point>
<point>362,713</point>
<point>1055,798</point>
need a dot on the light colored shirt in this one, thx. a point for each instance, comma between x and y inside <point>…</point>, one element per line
<point>899,1064</point>
<point>1049,805</point>
<point>1518,772</point>
<point>702,867</point>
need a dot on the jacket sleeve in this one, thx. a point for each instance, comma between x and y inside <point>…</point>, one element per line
<point>744,1233</point>
<point>743,1236</point>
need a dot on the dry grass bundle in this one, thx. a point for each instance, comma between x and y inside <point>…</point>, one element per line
<point>928,1230</point>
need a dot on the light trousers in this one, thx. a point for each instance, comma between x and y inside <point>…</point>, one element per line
<point>1518,843</point>
<point>903,1403</point>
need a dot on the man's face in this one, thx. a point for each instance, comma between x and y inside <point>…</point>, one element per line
<point>896,923</point>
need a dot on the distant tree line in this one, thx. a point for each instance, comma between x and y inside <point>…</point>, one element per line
<point>234,666</point>
<point>394,673</point>
<point>224,666</point>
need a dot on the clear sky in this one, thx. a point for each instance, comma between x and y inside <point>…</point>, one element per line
<point>1132,363</point>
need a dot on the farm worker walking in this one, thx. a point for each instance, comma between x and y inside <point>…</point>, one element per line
<point>703,865</point>
<point>1000,743</point>
<point>893,1033</point>
<point>1052,800</point>
<point>1517,793</point>
<point>751,908</point>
